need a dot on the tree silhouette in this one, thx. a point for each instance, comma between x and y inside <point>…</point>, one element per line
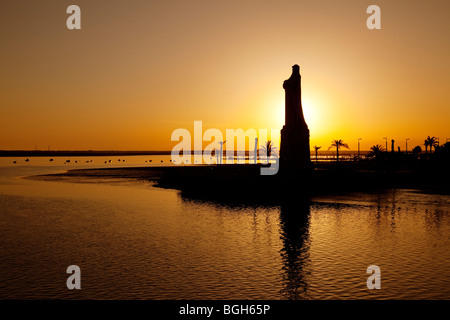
<point>375,150</point>
<point>338,144</point>
<point>268,148</point>
<point>316,148</point>
<point>417,150</point>
<point>430,142</point>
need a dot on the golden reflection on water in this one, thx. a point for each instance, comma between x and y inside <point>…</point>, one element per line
<point>135,241</point>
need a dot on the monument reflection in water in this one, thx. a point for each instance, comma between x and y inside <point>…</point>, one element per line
<point>326,243</point>
<point>294,232</point>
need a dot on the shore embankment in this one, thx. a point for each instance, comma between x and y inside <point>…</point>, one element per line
<point>245,180</point>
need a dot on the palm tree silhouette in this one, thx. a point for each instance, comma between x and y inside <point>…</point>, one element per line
<point>426,143</point>
<point>375,150</point>
<point>338,144</point>
<point>430,142</point>
<point>268,148</point>
<point>316,148</point>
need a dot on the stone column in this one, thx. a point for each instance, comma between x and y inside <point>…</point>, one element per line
<point>294,148</point>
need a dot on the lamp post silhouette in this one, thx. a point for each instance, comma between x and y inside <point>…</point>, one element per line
<point>255,151</point>
<point>219,160</point>
<point>406,150</point>
<point>316,148</point>
<point>385,138</point>
<point>359,139</point>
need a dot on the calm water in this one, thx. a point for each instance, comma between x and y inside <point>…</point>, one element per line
<point>134,241</point>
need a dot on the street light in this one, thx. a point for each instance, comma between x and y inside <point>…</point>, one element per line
<point>406,151</point>
<point>255,151</point>
<point>385,138</point>
<point>220,159</point>
<point>359,139</point>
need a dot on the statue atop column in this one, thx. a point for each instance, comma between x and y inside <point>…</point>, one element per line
<point>294,149</point>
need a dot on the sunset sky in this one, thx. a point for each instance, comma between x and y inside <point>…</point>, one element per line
<point>137,70</point>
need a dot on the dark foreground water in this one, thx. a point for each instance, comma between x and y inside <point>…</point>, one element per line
<point>134,241</point>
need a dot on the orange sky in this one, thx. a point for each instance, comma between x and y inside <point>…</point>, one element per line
<point>137,70</point>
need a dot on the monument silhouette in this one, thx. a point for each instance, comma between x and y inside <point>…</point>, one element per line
<point>294,148</point>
